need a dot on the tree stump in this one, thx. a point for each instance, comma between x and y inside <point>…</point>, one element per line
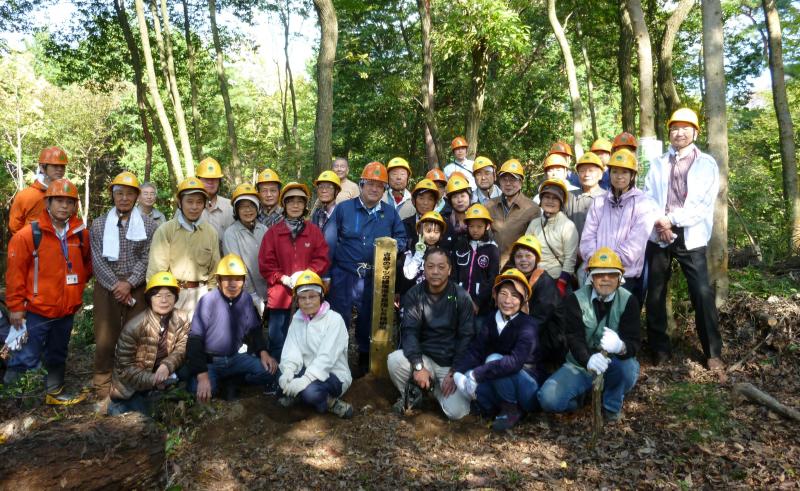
<point>121,452</point>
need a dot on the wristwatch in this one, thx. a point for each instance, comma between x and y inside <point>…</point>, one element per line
<point>418,366</point>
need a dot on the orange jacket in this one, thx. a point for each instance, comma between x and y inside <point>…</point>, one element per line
<point>55,298</point>
<point>28,205</point>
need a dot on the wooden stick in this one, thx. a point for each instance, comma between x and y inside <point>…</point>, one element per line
<point>597,406</point>
<point>751,392</point>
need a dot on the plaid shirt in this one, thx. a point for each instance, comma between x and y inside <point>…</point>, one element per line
<point>133,256</point>
<point>271,219</point>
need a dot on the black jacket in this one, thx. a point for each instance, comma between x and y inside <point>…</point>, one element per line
<point>440,328</point>
<point>476,270</point>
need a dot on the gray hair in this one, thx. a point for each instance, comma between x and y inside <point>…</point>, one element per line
<point>148,184</point>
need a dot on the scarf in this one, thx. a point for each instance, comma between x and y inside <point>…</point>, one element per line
<point>136,232</point>
<point>295,225</point>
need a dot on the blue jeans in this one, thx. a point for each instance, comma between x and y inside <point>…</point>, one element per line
<point>317,393</point>
<point>45,336</point>
<point>347,291</point>
<point>279,320</point>
<point>561,391</point>
<point>519,388</point>
<point>139,402</point>
<point>247,366</point>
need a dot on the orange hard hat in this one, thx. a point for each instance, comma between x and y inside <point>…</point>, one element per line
<point>624,139</point>
<point>53,156</point>
<point>61,187</point>
<point>436,175</point>
<point>375,171</point>
<point>562,148</point>
<point>458,142</point>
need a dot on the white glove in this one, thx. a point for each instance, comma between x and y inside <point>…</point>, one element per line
<point>598,363</point>
<point>16,337</point>
<point>297,386</point>
<point>287,281</point>
<point>284,380</point>
<point>611,342</point>
<point>294,278</point>
<point>466,384</point>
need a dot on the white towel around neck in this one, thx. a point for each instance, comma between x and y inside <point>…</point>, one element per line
<point>136,232</point>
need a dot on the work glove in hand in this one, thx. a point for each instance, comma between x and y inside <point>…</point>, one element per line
<point>287,281</point>
<point>297,386</point>
<point>466,383</point>
<point>598,363</point>
<point>284,380</point>
<point>294,278</point>
<point>611,343</point>
<point>420,246</point>
<point>17,337</point>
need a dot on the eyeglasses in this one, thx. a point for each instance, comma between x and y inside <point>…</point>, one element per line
<point>164,296</point>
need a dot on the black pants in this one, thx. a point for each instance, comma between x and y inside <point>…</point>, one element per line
<point>695,269</point>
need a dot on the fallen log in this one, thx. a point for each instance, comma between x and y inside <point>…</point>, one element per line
<point>766,319</point>
<point>752,393</point>
<point>121,452</point>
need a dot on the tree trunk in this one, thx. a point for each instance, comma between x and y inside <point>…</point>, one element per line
<point>323,126</point>
<point>624,67</point>
<point>647,100</point>
<point>18,149</point>
<point>589,84</point>
<point>152,84</point>
<point>480,71</point>
<point>717,130</point>
<point>87,175</point>
<point>190,55</point>
<point>141,96</point>
<point>162,52</point>
<point>433,147</point>
<point>180,118</point>
<point>666,80</point>
<point>569,65</point>
<point>123,452</point>
<point>233,143</point>
<point>290,84</point>
<point>785,125</point>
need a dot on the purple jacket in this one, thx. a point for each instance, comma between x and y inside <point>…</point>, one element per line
<point>624,225</point>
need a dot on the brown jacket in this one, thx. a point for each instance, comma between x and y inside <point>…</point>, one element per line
<point>135,358</point>
<point>508,227</point>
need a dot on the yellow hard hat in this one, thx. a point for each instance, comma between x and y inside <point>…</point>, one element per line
<point>426,185</point>
<point>481,163</point>
<point>191,185</point>
<point>529,242</point>
<point>398,162</point>
<point>601,145</point>
<point>549,183</point>
<point>242,190</point>
<point>231,265</point>
<point>478,211</point>
<point>162,278</point>
<point>684,115</point>
<point>624,159</point>
<point>125,179</point>
<point>590,158</point>
<point>457,183</point>
<point>607,259</point>
<point>306,278</point>
<point>329,176</point>
<point>432,216</point>
<point>208,168</point>
<point>268,175</point>
<point>519,280</point>
<point>555,160</point>
<point>512,166</point>
<point>294,189</point>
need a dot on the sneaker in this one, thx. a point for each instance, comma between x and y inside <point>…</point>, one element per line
<point>411,399</point>
<point>610,417</point>
<point>286,401</point>
<point>340,408</point>
<point>508,417</point>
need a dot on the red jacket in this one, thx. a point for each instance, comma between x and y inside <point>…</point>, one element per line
<point>279,255</point>
<point>55,298</point>
<point>28,205</point>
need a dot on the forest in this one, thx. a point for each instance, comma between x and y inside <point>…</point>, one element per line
<point>155,86</point>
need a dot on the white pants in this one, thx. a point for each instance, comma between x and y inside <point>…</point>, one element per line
<point>455,406</point>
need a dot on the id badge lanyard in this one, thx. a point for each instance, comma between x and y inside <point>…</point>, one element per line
<point>65,251</point>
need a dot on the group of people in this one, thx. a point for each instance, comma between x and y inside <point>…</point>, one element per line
<point>510,302</point>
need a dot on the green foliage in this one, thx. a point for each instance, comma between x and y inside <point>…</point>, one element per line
<point>761,283</point>
<point>29,389</point>
<point>703,408</point>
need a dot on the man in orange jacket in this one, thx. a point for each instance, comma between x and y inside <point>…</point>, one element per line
<point>45,287</point>
<point>28,204</point>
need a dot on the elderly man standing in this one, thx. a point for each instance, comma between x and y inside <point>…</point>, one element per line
<point>349,189</point>
<point>684,183</point>
<point>218,212</point>
<point>147,202</point>
<point>269,187</point>
<point>351,238</point>
<point>513,211</point>
<point>120,249</point>
<point>437,328</point>
<point>484,171</point>
<point>28,204</point>
<point>397,195</point>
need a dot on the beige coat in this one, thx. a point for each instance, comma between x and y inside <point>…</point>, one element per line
<point>508,227</point>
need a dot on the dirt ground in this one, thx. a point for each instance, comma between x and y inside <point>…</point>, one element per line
<point>682,429</point>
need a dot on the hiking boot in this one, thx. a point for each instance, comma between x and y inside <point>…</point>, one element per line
<point>411,399</point>
<point>715,364</point>
<point>59,398</point>
<point>286,401</point>
<point>610,417</point>
<point>509,416</point>
<point>340,408</point>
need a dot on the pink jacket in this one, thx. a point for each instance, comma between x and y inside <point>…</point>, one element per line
<point>623,225</point>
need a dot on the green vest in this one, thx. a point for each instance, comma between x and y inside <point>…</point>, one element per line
<point>594,327</point>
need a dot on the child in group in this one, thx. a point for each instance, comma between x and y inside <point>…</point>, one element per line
<point>430,228</point>
<point>476,262</point>
<point>459,195</point>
